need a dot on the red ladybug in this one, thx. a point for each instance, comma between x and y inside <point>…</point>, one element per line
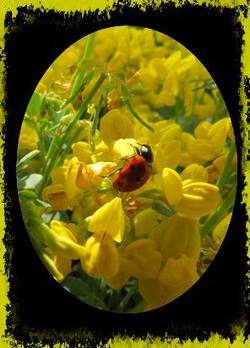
<point>136,171</point>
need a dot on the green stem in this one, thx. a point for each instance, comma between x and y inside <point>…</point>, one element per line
<point>58,142</point>
<point>135,114</point>
<point>82,68</point>
<point>132,290</point>
<point>70,140</point>
<point>215,218</point>
<point>225,172</point>
<point>128,100</point>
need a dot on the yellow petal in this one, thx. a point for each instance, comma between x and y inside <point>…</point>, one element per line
<point>145,257</point>
<point>115,125</point>
<point>201,131</point>
<point>82,151</point>
<point>145,221</point>
<point>101,258</point>
<point>153,292</point>
<point>168,155</point>
<point>176,236</point>
<point>50,264</point>
<point>56,196</point>
<point>28,138</point>
<point>58,175</point>
<point>109,218</point>
<point>198,199</point>
<point>178,275</point>
<point>60,229</point>
<point>126,269</point>
<point>220,230</point>
<point>64,265</point>
<point>71,188</point>
<point>84,176</point>
<point>124,148</point>
<point>200,150</point>
<point>59,241</point>
<point>196,172</point>
<point>172,186</point>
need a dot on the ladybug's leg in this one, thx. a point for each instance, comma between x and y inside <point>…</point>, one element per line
<point>111,173</point>
<point>124,196</point>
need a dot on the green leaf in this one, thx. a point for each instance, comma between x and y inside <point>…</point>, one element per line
<point>29,156</point>
<point>225,174</point>
<point>81,82</point>
<point>76,286</point>
<point>32,181</point>
<point>162,208</point>
<point>153,194</point>
<point>30,195</point>
<point>138,308</point>
<point>35,104</point>
<point>214,219</point>
<point>81,78</point>
<point>25,195</point>
<point>128,100</point>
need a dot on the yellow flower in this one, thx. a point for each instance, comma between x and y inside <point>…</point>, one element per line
<point>215,169</point>
<point>71,174</point>
<point>57,245</point>
<point>41,88</point>
<point>56,196</point>
<point>72,229</point>
<point>58,175</point>
<point>172,186</point>
<point>200,151</point>
<point>66,60</point>
<point>110,218</point>
<point>86,207</point>
<point>168,155</point>
<point>206,108</point>
<point>145,221</point>
<point>196,172</point>
<point>62,242</point>
<point>102,258</point>
<point>82,151</point>
<point>115,125</point>
<point>92,174</point>
<point>123,148</point>
<point>208,143</point>
<point>177,235</point>
<point>175,278</point>
<point>126,269</point>
<point>144,255</point>
<point>190,198</point>
<point>178,275</point>
<point>166,130</point>
<point>56,240</point>
<point>28,139</point>
<point>51,264</point>
<point>139,259</point>
<point>220,230</point>
<point>100,170</point>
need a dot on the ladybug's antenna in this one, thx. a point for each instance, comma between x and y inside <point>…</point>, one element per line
<point>138,152</point>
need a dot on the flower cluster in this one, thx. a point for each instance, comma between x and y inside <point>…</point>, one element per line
<point>91,112</point>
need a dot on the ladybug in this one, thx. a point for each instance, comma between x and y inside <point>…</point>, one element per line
<point>136,171</point>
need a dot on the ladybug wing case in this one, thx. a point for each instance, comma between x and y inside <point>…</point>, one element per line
<point>133,175</point>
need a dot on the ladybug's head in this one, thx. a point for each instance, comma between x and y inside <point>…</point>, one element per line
<point>147,153</point>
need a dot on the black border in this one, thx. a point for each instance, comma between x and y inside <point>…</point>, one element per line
<point>39,305</point>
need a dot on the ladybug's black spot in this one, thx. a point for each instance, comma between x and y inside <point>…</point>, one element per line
<point>138,178</point>
<point>132,167</point>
